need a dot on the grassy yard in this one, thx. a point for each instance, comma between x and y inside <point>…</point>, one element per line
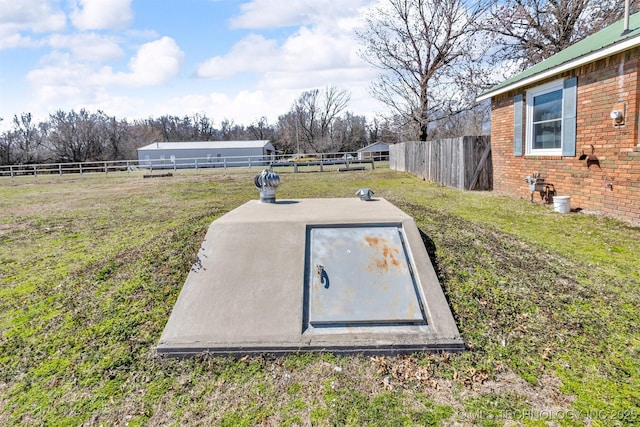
<point>90,269</point>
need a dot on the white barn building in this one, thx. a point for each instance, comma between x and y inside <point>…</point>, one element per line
<point>377,151</point>
<point>205,154</point>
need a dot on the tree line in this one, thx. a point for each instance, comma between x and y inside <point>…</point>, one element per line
<point>434,57</point>
<point>318,122</point>
<point>313,124</point>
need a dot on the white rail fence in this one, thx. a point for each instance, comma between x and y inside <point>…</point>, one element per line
<point>175,164</point>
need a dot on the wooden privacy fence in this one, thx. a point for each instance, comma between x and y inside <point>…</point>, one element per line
<point>463,163</point>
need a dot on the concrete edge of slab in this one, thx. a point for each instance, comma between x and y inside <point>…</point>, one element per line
<point>455,346</point>
<point>215,313</point>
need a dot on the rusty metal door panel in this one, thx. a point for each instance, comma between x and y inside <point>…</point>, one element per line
<point>360,276</point>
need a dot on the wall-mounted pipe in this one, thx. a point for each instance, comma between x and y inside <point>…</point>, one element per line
<point>626,17</point>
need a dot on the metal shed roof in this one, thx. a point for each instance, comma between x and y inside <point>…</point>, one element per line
<point>605,42</point>
<point>376,146</point>
<point>199,145</point>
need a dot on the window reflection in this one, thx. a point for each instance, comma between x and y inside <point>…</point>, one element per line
<point>547,120</point>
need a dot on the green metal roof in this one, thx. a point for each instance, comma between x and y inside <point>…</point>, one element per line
<point>605,42</point>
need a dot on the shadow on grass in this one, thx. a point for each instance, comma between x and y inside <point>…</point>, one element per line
<point>430,246</point>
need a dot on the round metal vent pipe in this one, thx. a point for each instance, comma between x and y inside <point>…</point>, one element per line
<point>267,182</point>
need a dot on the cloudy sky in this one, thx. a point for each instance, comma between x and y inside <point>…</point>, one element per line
<point>230,59</point>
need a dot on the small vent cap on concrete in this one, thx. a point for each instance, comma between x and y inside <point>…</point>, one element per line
<point>267,182</point>
<point>365,193</point>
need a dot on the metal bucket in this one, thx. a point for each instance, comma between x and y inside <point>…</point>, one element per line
<point>562,204</point>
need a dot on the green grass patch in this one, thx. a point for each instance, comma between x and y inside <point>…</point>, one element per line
<point>90,269</point>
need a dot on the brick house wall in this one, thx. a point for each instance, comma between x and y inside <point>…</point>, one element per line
<point>613,187</point>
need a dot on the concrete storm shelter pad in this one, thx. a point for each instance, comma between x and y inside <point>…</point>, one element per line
<point>339,275</point>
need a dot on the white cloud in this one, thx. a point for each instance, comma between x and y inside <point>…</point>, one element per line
<point>65,82</point>
<point>101,14</point>
<point>313,49</point>
<point>310,48</point>
<point>269,14</point>
<point>31,15</point>
<point>88,46</point>
<point>59,86</point>
<point>247,106</point>
<point>12,40</point>
<point>243,107</point>
<point>321,53</point>
<point>27,16</point>
<point>254,53</point>
<point>88,68</point>
<point>344,78</point>
<point>121,106</point>
<point>155,63</point>
<point>61,71</point>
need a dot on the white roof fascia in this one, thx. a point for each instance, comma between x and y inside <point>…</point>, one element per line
<point>609,51</point>
<point>200,145</point>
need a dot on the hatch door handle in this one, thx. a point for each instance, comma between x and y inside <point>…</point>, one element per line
<point>324,277</point>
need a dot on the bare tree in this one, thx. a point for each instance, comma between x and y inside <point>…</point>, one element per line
<point>230,131</point>
<point>474,121</point>
<point>203,128</point>
<point>286,139</point>
<point>392,129</point>
<point>420,46</point>
<point>197,127</point>
<point>139,134</point>
<point>76,136</point>
<point>27,139</point>
<point>260,129</point>
<point>315,112</point>
<point>306,112</point>
<point>5,147</point>
<point>115,137</point>
<point>349,133</point>
<point>173,128</point>
<point>335,101</point>
<point>528,31</point>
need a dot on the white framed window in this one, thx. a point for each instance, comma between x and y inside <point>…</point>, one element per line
<point>544,135</point>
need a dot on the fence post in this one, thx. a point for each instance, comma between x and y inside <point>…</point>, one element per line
<point>60,169</point>
<point>105,168</point>
<point>80,164</point>
<point>11,171</point>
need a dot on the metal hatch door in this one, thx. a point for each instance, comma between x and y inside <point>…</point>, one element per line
<point>360,276</point>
